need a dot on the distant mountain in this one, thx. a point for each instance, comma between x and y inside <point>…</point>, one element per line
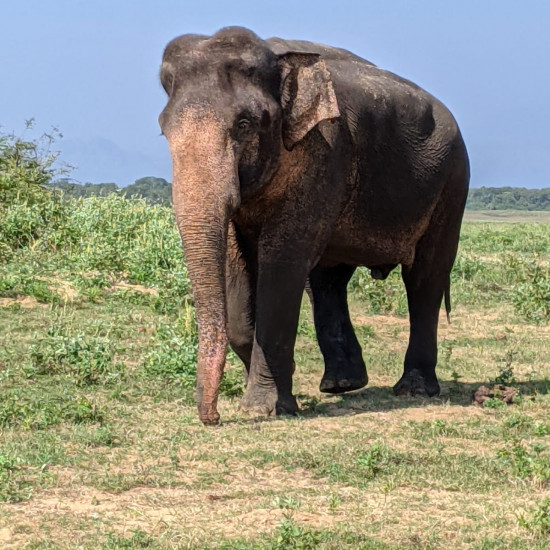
<point>98,160</point>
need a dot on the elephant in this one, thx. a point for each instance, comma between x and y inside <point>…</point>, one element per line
<point>296,161</point>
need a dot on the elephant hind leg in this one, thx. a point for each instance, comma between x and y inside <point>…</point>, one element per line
<point>424,295</point>
<point>344,366</point>
<point>426,282</point>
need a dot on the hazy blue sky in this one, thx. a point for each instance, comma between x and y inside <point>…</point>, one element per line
<point>91,68</point>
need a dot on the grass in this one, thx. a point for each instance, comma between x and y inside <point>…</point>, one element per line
<point>100,446</point>
<point>507,216</point>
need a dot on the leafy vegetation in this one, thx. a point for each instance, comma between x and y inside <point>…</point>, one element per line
<point>100,446</point>
<point>539,519</point>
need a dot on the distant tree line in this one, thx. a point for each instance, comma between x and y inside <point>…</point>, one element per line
<point>154,190</point>
<point>159,191</point>
<point>508,198</point>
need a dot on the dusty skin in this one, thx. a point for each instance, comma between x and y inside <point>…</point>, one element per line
<point>296,161</point>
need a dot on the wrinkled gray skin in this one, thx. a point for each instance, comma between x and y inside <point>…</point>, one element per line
<point>293,159</point>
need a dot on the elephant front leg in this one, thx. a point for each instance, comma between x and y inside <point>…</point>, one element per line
<point>279,293</point>
<point>240,298</point>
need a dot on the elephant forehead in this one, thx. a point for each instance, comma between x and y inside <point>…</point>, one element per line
<point>218,63</point>
<point>208,57</point>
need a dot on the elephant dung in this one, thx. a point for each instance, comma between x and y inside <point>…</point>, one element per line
<point>498,391</point>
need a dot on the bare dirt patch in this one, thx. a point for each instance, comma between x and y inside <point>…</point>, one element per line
<point>26,302</point>
<point>137,288</point>
<point>67,291</point>
<point>237,508</point>
<point>380,320</point>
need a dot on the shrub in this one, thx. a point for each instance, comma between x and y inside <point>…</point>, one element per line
<point>34,411</point>
<point>380,296</point>
<point>173,353</point>
<point>26,167</point>
<point>531,296</point>
<point>27,207</point>
<point>87,360</point>
<point>14,487</point>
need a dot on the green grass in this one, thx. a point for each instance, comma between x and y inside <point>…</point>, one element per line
<point>100,445</point>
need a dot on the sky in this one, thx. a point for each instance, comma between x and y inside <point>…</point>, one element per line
<point>90,68</point>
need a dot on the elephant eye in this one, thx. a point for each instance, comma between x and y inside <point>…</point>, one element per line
<point>243,123</point>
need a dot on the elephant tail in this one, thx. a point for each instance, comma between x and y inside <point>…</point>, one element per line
<point>448,300</point>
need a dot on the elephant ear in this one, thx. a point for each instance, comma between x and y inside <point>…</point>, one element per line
<point>307,95</point>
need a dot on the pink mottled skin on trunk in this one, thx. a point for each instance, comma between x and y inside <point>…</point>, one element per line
<point>210,365</point>
<point>203,196</point>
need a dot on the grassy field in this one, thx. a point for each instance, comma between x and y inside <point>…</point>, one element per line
<point>100,446</point>
<point>507,216</point>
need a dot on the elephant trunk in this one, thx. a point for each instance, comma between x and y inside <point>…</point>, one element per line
<point>205,193</point>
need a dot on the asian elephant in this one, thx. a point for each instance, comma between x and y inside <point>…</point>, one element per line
<point>294,160</point>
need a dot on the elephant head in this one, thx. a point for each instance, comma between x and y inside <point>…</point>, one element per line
<point>233,106</point>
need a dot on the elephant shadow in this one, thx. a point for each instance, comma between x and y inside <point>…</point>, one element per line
<point>382,399</point>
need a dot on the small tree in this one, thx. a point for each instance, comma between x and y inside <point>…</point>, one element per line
<point>27,206</point>
<point>27,166</point>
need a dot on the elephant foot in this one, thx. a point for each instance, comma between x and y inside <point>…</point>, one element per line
<point>335,384</point>
<point>414,383</point>
<point>344,375</point>
<point>268,402</point>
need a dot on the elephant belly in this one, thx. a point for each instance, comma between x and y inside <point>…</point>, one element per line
<point>362,242</point>
<point>367,252</point>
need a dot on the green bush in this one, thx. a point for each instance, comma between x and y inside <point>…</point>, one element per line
<point>468,269</point>
<point>14,486</point>
<point>528,462</point>
<point>531,295</point>
<point>138,540</point>
<point>26,167</point>
<point>23,283</point>
<point>50,232</point>
<point>32,411</point>
<point>87,360</point>
<point>27,207</point>
<point>173,350</point>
